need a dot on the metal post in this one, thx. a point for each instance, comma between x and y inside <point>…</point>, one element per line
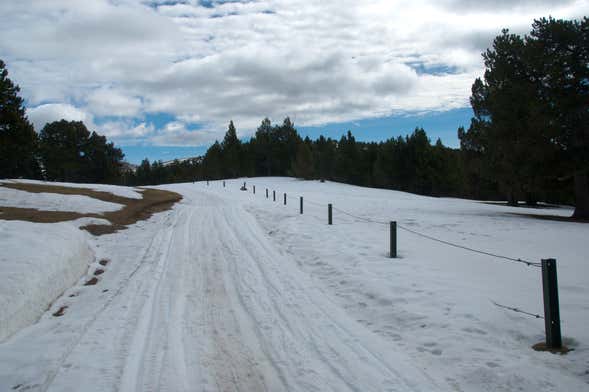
<point>254,189</point>
<point>266,193</point>
<point>301,204</point>
<point>285,199</point>
<point>207,182</point>
<point>551,309</point>
<point>273,195</point>
<point>329,215</point>
<point>393,240</point>
<point>223,183</point>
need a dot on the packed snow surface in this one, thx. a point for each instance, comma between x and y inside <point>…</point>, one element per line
<point>232,291</point>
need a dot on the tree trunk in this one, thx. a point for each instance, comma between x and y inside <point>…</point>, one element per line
<point>513,199</point>
<point>581,196</point>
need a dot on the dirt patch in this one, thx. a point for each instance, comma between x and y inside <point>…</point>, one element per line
<point>98,272</point>
<point>542,347</point>
<point>60,312</point>
<point>91,282</point>
<point>152,201</point>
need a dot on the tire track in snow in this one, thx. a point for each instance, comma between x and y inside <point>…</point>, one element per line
<point>319,338</point>
<point>58,366</point>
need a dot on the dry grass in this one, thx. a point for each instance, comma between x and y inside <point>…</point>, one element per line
<point>152,201</point>
<point>542,347</point>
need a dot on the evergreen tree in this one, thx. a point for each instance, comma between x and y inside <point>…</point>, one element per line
<point>508,123</point>
<point>71,153</point>
<point>303,166</point>
<point>18,139</point>
<point>102,160</point>
<point>231,147</point>
<point>63,150</point>
<point>143,173</point>
<point>561,69</point>
<point>213,162</point>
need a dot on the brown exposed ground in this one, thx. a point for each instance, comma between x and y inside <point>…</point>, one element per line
<point>91,282</point>
<point>153,200</point>
<point>60,312</point>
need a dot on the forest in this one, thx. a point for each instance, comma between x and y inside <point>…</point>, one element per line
<point>528,140</point>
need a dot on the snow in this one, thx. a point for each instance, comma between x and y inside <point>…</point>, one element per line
<point>37,264</point>
<point>123,191</point>
<point>54,202</point>
<point>231,291</point>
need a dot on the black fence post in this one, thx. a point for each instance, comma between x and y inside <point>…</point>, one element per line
<point>207,182</point>
<point>285,199</point>
<point>273,195</point>
<point>551,308</point>
<point>254,189</point>
<point>301,204</point>
<point>223,183</point>
<point>393,240</point>
<point>329,215</point>
<point>266,193</point>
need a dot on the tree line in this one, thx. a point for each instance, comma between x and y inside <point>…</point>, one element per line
<point>528,140</point>
<point>62,151</point>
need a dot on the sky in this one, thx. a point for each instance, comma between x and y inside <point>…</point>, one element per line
<point>163,78</point>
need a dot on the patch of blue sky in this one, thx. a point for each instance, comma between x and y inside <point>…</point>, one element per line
<point>213,3</point>
<point>136,153</point>
<point>159,3</point>
<point>442,125</point>
<point>432,69</point>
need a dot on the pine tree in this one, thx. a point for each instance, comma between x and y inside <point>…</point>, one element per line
<point>231,147</point>
<point>303,165</point>
<point>561,63</point>
<point>18,139</point>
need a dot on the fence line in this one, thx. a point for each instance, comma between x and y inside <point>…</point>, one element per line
<point>429,237</point>
<point>517,310</point>
<point>550,289</point>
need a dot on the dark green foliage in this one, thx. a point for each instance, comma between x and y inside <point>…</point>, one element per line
<point>560,51</point>
<point>69,152</point>
<point>232,154</point>
<point>531,124</point>
<point>18,140</point>
<point>303,166</point>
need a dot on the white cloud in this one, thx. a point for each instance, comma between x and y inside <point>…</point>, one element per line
<point>317,62</point>
<point>124,129</point>
<point>175,133</point>
<point>48,113</point>
<point>110,102</point>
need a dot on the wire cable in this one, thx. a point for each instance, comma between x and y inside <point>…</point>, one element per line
<point>368,220</point>
<point>518,260</point>
<point>517,310</point>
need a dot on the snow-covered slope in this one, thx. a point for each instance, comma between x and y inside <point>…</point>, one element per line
<point>435,301</point>
<point>231,291</point>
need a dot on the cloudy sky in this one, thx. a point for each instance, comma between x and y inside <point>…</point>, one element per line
<point>163,78</point>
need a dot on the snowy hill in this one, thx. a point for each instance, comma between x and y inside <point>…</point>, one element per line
<point>230,290</point>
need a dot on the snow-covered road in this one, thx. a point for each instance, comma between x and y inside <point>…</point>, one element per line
<point>204,302</point>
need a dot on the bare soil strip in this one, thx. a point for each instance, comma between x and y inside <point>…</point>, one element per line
<point>153,200</point>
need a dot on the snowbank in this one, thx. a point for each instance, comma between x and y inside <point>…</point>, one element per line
<point>38,263</point>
